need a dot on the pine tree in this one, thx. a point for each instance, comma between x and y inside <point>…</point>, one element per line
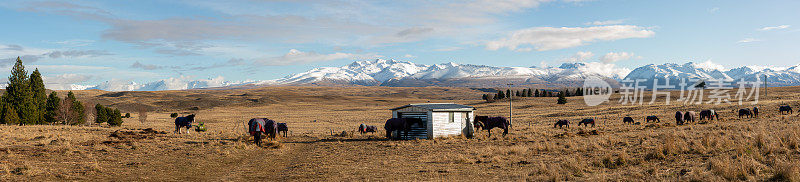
<point>508,93</point>
<point>101,116</point>
<point>561,98</point>
<point>530,93</point>
<point>18,94</point>
<point>500,95</point>
<point>51,108</point>
<point>579,92</point>
<point>116,118</point>
<point>76,110</point>
<point>485,97</point>
<point>9,115</point>
<point>39,95</point>
<point>516,93</point>
<point>566,93</point>
<point>536,93</point>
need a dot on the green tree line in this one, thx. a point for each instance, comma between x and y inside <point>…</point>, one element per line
<point>26,101</point>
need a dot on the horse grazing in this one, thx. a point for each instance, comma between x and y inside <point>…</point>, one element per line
<point>561,123</point>
<point>689,116</point>
<point>400,124</point>
<point>487,123</point>
<point>755,111</point>
<point>257,126</point>
<point>745,113</point>
<point>586,122</point>
<point>282,127</point>
<point>363,128</point>
<point>628,120</point>
<point>709,114</point>
<point>652,118</point>
<point>181,122</point>
<point>787,109</point>
<point>679,118</point>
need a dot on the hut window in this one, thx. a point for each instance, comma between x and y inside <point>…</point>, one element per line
<point>451,118</point>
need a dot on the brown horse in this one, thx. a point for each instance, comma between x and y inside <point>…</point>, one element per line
<point>745,113</point>
<point>689,116</point>
<point>679,118</point>
<point>628,120</point>
<point>586,122</point>
<point>363,128</point>
<point>401,125</point>
<point>787,109</point>
<point>561,123</point>
<point>652,118</point>
<point>755,111</point>
<point>262,125</point>
<point>282,127</point>
<point>709,114</point>
<point>487,123</point>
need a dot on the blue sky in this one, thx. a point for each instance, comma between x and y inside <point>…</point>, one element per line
<point>88,42</point>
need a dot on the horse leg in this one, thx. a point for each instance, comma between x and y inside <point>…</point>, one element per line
<point>505,131</point>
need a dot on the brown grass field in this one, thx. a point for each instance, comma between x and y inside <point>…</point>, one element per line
<point>758,149</point>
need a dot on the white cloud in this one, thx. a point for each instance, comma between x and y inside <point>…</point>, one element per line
<point>616,56</point>
<point>65,81</point>
<point>579,57</point>
<point>446,49</point>
<point>748,40</point>
<point>713,10</point>
<point>709,65</point>
<point>775,27</point>
<point>299,57</point>
<point>607,22</point>
<point>551,38</point>
<point>409,56</point>
<point>609,70</point>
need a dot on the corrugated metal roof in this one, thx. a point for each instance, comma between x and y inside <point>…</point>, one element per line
<point>438,106</point>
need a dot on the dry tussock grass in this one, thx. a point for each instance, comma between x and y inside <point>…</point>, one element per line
<point>758,149</point>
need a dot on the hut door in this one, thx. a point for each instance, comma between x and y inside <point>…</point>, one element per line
<point>420,132</point>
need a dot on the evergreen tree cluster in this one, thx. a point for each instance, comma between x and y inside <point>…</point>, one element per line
<point>26,101</point>
<point>107,114</point>
<point>528,92</point>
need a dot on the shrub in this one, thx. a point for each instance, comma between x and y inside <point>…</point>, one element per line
<point>173,115</point>
<point>127,115</point>
<point>116,118</point>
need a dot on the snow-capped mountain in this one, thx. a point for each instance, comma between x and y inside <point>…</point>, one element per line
<point>404,73</point>
<point>674,73</point>
<point>381,72</point>
<point>181,83</point>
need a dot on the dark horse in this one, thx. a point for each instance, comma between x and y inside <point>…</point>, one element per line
<point>363,128</point>
<point>787,109</point>
<point>709,114</point>
<point>282,127</point>
<point>487,123</point>
<point>678,118</point>
<point>652,118</point>
<point>689,116</point>
<point>586,122</point>
<point>400,124</point>
<point>755,111</point>
<point>561,123</point>
<point>181,122</point>
<point>262,125</point>
<point>745,112</point>
<point>627,120</point>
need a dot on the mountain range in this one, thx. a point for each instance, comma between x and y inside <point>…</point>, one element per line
<point>394,73</point>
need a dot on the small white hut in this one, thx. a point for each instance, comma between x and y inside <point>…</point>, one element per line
<point>441,119</point>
